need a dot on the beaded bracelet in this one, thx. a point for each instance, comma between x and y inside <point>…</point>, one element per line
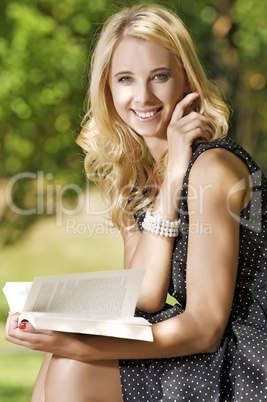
<point>160,226</point>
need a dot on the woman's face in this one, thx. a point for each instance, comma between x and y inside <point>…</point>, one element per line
<point>146,82</point>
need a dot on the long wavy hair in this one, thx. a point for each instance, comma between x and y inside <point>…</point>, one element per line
<point>116,156</point>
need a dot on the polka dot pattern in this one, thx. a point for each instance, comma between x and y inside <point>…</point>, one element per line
<point>238,370</point>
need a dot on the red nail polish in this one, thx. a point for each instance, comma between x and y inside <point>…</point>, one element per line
<point>8,314</point>
<point>22,325</point>
<point>196,92</point>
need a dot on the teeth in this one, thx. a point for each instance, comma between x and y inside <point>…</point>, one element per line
<point>145,115</point>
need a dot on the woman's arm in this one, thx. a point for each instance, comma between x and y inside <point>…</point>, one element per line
<point>211,275</point>
<point>153,252</point>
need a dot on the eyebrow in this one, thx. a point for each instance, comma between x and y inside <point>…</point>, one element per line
<point>152,71</point>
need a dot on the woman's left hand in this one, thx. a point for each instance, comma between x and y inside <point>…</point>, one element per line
<point>184,128</point>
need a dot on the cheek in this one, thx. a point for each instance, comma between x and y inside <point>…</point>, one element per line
<point>171,96</point>
<point>121,98</point>
<point>177,95</point>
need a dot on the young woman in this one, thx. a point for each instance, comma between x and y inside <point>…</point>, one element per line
<point>154,137</point>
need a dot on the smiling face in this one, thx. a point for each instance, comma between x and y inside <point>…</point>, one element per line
<point>146,82</point>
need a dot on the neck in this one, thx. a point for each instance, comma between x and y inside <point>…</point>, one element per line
<point>156,147</point>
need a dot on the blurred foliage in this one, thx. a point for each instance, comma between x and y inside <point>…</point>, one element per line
<point>16,384</point>
<point>44,48</point>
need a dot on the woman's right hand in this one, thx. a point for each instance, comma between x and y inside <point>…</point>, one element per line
<point>154,253</point>
<point>184,128</point>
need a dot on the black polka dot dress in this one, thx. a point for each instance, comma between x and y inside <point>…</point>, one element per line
<point>238,370</point>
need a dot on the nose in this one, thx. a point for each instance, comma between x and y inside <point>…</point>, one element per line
<point>144,93</point>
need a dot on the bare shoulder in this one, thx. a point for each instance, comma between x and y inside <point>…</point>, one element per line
<point>219,163</point>
<point>223,171</point>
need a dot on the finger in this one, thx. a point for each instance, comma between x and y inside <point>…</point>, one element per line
<point>204,131</point>
<point>201,122</point>
<point>13,333</point>
<point>181,106</point>
<point>14,329</point>
<point>27,327</point>
<point>29,337</point>
<point>194,113</point>
<point>189,111</point>
<point>193,120</point>
<point>12,325</point>
<point>198,133</point>
<point>12,321</point>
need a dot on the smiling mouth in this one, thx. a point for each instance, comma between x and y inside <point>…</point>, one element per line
<point>146,115</point>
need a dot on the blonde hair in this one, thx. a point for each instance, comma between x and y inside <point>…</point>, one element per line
<point>116,156</point>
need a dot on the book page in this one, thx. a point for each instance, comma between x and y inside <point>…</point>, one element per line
<point>16,294</point>
<point>103,294</point>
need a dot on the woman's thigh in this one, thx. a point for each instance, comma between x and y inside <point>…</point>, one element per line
<point>38,394</point>
<point>72,381</point>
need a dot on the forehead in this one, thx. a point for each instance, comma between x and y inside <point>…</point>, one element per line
<point>132,52</point>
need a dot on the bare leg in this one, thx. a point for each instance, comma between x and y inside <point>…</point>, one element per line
<point>38,394</point>
<point>72,381</point>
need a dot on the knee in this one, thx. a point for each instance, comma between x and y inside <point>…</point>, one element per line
<point>72,381</point>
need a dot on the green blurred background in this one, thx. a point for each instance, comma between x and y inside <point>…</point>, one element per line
<point>51,219</point>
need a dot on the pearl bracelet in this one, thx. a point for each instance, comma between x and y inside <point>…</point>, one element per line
<point>161,227</point>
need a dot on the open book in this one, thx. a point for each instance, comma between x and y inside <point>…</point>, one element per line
<point>97,303</point>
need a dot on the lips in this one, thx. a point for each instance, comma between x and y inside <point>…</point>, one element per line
<point>146,115</point>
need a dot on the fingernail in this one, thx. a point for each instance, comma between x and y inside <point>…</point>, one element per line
<point>8,314</point>
<point>16,314</point>
<point>22,325</point>
<point>196,92</point>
